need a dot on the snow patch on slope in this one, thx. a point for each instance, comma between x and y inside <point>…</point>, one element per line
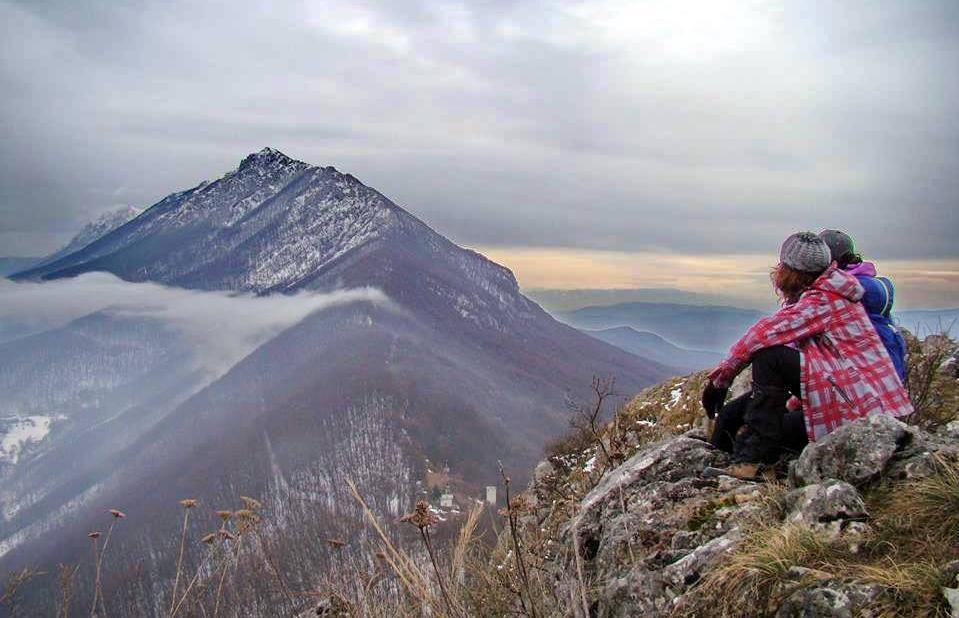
<point>18,432</point>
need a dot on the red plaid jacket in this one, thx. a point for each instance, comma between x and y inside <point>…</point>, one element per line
<point>846,372</point>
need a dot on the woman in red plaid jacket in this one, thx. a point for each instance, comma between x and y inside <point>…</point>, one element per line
<point>820,347</point>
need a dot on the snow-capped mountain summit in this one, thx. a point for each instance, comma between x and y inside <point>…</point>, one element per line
<point>101,226</point>
<point>267,156</point>
<point>458,367</point>
<point>273,224</point>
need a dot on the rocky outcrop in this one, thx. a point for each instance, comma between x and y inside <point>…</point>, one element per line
<point>650,529</point>
<point>856,453</point>
<point>630,541</point>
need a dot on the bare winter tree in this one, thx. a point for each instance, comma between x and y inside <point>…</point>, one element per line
<point>587,417</point>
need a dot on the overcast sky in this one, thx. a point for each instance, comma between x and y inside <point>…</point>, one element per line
<point>597,131</point>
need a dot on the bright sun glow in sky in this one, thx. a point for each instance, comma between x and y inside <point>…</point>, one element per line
<point>920,284</point>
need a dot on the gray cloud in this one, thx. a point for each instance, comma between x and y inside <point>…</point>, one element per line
<point>700,126</point>
<point>222,328</point>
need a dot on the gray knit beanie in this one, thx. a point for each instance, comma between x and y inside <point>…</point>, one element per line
<point>806,252</point>
<point>839,243</point>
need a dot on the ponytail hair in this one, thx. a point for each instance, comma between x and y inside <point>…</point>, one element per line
<point>847,260</point>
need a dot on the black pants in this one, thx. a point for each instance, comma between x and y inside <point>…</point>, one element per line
<point>757,427</point>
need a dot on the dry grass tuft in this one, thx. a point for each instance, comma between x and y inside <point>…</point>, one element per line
<point>930,504</point>
<point>12,586</point>
<point>750,581</point>
<point>66,584</point>
<point>912,536</point>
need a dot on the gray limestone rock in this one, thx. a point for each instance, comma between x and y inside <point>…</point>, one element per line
<point>816,603</point>
<point>823,503</point>
<point>856,453</point>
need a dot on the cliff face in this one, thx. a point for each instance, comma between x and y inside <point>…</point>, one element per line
<point>866,524</point>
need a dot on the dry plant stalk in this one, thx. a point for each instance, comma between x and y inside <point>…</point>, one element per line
<point>188,505</point>
<point>514,535</point>
<point>225,517</point>
<point>66,579</point>
<point>98,586</point>
<point>271,562</point>
<point>15,581</point>
<point>406,570</point>
<point>461,548</point>
<point>246,521</point>
<point>577,556</point>
<point>94,538</point>
<point>196,576</point>
<point>422,518</point>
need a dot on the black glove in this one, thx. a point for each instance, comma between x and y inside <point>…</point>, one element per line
<point>713,398</point>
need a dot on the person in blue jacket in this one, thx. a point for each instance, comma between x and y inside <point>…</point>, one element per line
<point>879,296</point>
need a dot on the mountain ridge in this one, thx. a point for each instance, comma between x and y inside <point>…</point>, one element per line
<point>650,345</point>
<point>711,328</point>
<point>368,216</point>
<point>461,368</point>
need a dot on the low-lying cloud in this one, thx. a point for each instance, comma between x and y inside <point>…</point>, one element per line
<point>222,327</point>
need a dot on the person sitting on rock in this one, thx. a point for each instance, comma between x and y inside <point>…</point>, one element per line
<point>820,347</point>
<point>877,299</point>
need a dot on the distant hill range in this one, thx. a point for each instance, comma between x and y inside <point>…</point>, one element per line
<point>654,347</point>
<point>712,328</point>
<point>694,327</point>
<point>558,301</point>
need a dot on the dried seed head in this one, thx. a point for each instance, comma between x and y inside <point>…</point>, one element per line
<point>226,534</point>
<point>421,517</point>
<point>94,535</point>
<point>245,525</point>
<point>522,503</point>
<point>518,505</point>
<point>224,515</point>
<point>246,515</point>
<point>208,538</point>
<point>117,514</point>
<point>188,503</point>
<point>250,503</point>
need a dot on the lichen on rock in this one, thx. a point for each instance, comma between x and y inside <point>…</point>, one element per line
<point>643,537</point>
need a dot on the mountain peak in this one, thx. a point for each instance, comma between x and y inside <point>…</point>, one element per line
<point>277,224</point>
<point>266,156</point>
<point>95,229</point>
<point>269,151</point>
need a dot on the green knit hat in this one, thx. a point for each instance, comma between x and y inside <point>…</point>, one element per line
<point>840,243</point>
